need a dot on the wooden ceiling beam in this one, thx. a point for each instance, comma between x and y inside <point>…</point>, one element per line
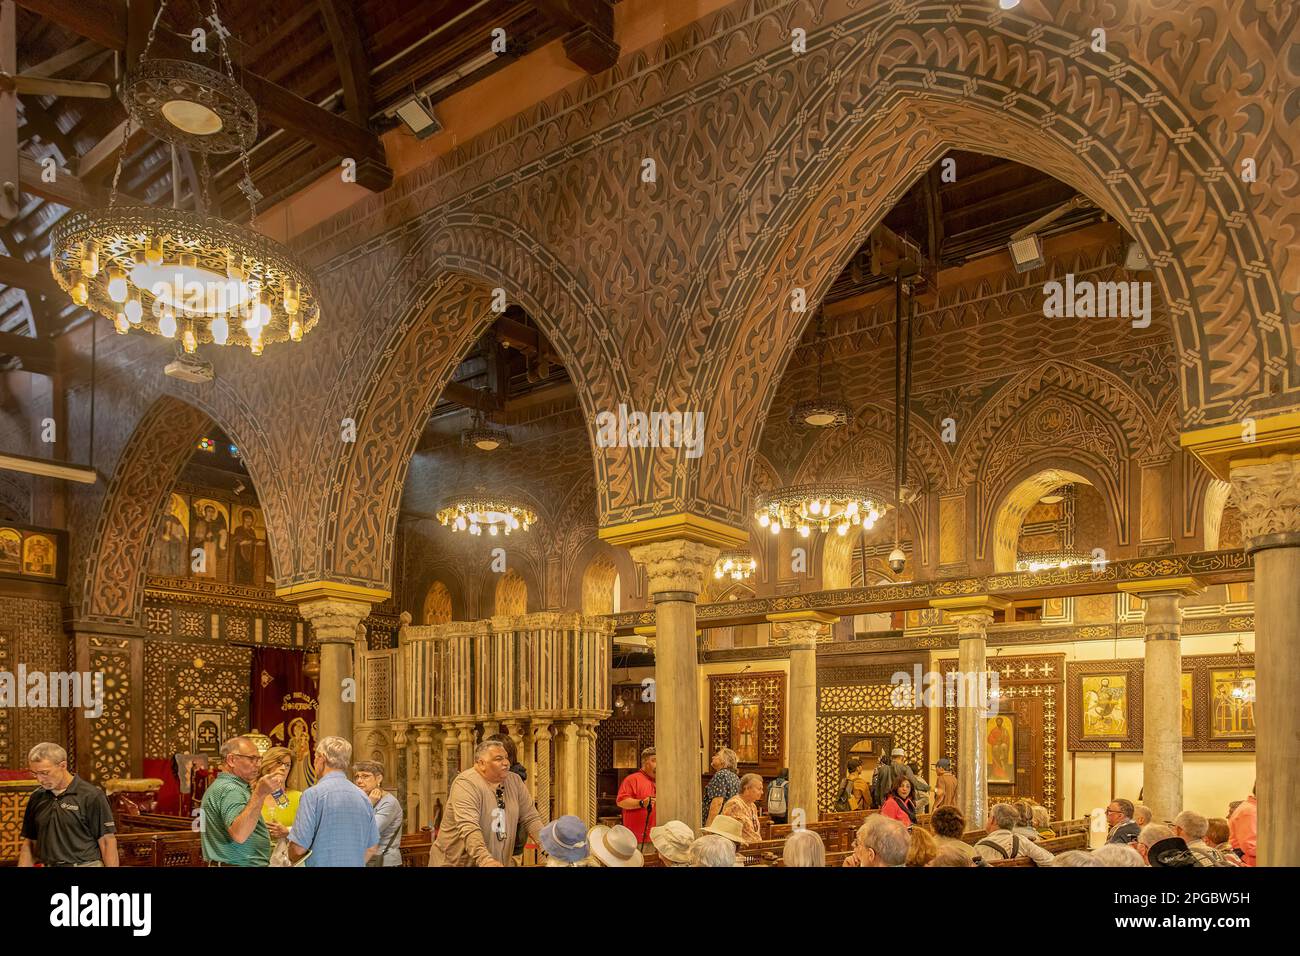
<point>350,54</point>
<point>35,355</point>
<point>31,276</point>
<point>105,22</point>
<point>590,40</point>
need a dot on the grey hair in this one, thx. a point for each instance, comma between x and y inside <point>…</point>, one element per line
<point>1153,833</point>
<point>1142,815</point>
<point>730,759</point>
<point>1004,816</point>
<point>887,837</point>
<point>487,746</point>
<point>47,751</point>
<point>1117,854</point>
<point>712,850</point>
<point>336,751</point>
<point>1042,819</point>
<point>373,767</point>
<point>1193,824</point>
<point>232,745</point>
<point>804,848</point>
<point>1075,858</point>
<point>749,778</point>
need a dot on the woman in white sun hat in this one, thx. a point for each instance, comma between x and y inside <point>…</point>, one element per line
<point>614,846</point>
<point>671,841</point>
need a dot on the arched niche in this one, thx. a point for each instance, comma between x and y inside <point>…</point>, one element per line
<point>1009,515</point>
<point>510,597</point>
<point>437,605</point>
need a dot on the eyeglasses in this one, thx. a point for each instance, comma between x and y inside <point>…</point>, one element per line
<point>248,756</point>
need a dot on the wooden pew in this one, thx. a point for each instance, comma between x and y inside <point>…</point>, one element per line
<point>415,848</point>
<point>153,822</point>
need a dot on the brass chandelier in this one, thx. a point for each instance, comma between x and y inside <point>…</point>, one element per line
<point>497,513</point>
<point>177,272</point>
<point>737,565</point>
<point>823,505</point>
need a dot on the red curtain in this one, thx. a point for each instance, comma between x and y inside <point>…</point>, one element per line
<point>284,707</point>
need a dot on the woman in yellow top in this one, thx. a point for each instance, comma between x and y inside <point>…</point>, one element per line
<point>279,819</point>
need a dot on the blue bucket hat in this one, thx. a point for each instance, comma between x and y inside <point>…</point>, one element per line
<point>565,838</point>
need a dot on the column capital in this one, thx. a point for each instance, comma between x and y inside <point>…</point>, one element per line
<point>1250,441</point>
<point>677,565</point>
<point>801,629</point>
<point>971,613</point>
<point>1268,498</point>
<point>676,527</point>
<point>334,621</point>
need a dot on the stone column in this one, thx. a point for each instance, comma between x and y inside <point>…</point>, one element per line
<point>542,740</point>
<point>972,615</point>
<point>424,746</point>
<point>450,756</point>
<point>587,759</point>
<point>802,631</point>
<point>400,756</point>
<point>674,570</point>
<point>334,622</point>
<point>1162,718</point>
<point>1268,497</point>
<point>568,773</point>
<point>466,733</point>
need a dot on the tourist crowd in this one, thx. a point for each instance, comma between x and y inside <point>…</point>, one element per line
<point>249,818</point>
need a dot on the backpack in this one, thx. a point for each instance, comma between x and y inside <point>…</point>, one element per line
<point>882,783</point>
<point>1015,847</point>
<point>842,801</point>
<point>776,796</point>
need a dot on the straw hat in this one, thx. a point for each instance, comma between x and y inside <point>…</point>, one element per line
<point>729,827</point>
<point>565,838</point>
<point>614,846</point>
<point>672,840</point>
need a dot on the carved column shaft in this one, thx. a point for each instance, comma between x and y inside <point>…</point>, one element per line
<point>972,775</point>
<point>542,740</point>
<point>802,638</point>
<point>334,622</point>
<point>424,746</point>
<point>674,570</point>
<point>1268,498</point>
<point>1162,718</point>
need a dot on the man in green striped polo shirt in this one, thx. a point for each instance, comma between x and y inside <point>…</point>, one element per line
<point>233,833</point>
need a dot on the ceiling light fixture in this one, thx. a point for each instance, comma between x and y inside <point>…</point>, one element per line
<point>179,273</point>
<point>1026,246</point>
<point>737,565</point>
<point>820,412</point>
<point>822,506</point>
<point>495,513</point>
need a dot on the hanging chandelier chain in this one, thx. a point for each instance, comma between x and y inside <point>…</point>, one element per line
<point>243,152</point>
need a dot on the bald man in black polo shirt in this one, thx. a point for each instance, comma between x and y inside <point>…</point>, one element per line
<point>68,821</point>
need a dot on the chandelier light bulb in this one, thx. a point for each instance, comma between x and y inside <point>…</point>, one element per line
<point>134,311</point>
<point>295,330</point>
<point>804,531</point>
<point>167,324</point>
<point>121,324</point>
<point>117,285</point>
<point>261,312</point>
<point>79,292</point>
<point>153,255</point>
<point>189,341</point>
<point>764,520</point>
<point>776,527</point>
<point>90,260</point>
<point>220,330</point>
<point>842,530</point>
<point>815,507</point>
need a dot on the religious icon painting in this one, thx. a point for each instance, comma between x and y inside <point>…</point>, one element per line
<point>744,730</point>
<point>209,539</point>
<point>1105,706</point>
<point>40,556</point>
<point>1000,747</point>
<point>1232,704</point>
<point>171,548</point>
<point>11,551</point>
<point>248,547</point>
<point>626,754</point>
<point>1185,698</point>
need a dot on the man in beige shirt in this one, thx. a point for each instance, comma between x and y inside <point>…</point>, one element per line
<point>945,784</point>
<point>484,809</point>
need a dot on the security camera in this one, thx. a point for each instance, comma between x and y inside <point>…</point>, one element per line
<point>896,560</point>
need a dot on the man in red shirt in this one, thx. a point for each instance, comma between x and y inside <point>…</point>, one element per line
<point>636,797</point>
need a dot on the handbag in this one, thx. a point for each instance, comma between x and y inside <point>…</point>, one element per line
<point>378,858</point>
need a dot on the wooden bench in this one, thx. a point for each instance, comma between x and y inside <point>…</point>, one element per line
<point>153,822</point>
<point>415,848</point>
<point>162,849</point>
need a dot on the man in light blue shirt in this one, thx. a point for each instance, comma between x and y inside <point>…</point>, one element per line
<point>335,820</point>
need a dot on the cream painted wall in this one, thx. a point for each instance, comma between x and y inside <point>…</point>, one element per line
<point>1210,780</point>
